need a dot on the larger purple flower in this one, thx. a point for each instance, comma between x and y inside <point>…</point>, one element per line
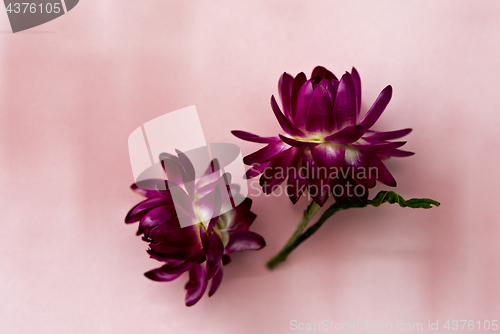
<point>215,230</point>
<point>327,147</point>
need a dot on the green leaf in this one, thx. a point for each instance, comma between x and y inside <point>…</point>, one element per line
<point>382,197</point>
<point>391,197</point>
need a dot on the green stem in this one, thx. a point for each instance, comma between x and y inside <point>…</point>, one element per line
<point>290,245</point>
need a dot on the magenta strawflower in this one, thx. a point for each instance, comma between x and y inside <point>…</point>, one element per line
<point>204,246</point>
<point>327,147</point>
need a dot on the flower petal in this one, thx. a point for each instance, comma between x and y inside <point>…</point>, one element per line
<point>347,135</point>
<point>158,216</point>
<point>187,165</point>
<point>379,147</point>
<point>214,249</point>
<point>175,267</point>
<point>159,276</point>
<point>298,143</point>
<point>397,153</point>
<point>389,135</point>
<point>320,117</point>
<point>284,122</point>
<point>253,138</point>
<point>357,86</point>
<point>357,163</point>
<point>174,170</point>
<point>329,155</point>
<point>319,183</point>
<point>285,89</point>
<point>146,187</point>
<point>296,180</point>
<point>216,280</point>
<point>238,218</point>
<point>345,102</point>
<point>255,170</point>
<point>171,233</point>
<point>304,97</point>
<point>197,285</point>
<point>216,209</point>
<point>138,211</point>
<point>175,251</point>
<point>242,240</point>
<point>383,174</point>
<point>323,73</point>
<point>276,172</point>
<point>377,108</point>
<point>298,82</point>
<point>212,174</point>
<point>209,205</point>
<point>265,154</point>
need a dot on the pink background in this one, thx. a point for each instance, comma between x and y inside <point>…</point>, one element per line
<point>72,90</point>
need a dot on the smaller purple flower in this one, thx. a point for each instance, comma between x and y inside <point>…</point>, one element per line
<point>215,230</point>
<point>327,146</point>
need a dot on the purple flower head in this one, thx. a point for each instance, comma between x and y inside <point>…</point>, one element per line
<point>215,228</point>
<point>327,148</point>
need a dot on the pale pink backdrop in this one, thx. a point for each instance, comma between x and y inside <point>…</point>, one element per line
<point>72,90</point>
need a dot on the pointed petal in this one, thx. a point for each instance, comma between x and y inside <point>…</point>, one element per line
<point>242,240</point>
<point>319,183</point>
<point>379,147</point>
<point>298,82</point>
<point>159,276</point>
<point>158,215</point>
<point>187,165</point>
<point>297,143</point>
<point>345,102</point>
<point>211,175</point>
<point>285,90</point>
<point>304,97</point>
<point>216,280</point>
<point>238,218</point>
<point>347,135</point>
<point>377,108</point>
<point>397,153</point>
<point>175,251</point>
<point>357,86</point>
<point>171,233</point>
<point>326,156</point>
<point>323,73</point>
<point>357,162</point>
<point>383,174</point>
<point>146,187</point>
<point>174,170</point>
<point>196,286</point>
<point>255,170</point>
<point>174,267</point>
<point>253,138</point>
<point>284,122</point>
<point>138,211</point>
<point>296,180</point>
<point>276,172</point>
<point>265,154</point>
<point>214,249</point>
<point>320,117</point>
<point>389,135</point>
